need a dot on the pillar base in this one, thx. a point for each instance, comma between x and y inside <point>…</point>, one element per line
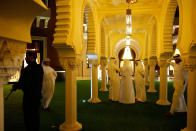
<point>70,127</point>
<point>94,100</point>
<point>151,90</point>
<point>163,102</point>
<point>103,89</point>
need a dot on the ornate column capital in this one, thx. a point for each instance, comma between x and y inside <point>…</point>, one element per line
<point>103,60</point>
<point>189,62</point>
<point>94,62</point>
<point>152,62</point>
<point>163,63</point>
<point>70,62</point>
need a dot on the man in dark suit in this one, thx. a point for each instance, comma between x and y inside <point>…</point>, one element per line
<point>30,82</point>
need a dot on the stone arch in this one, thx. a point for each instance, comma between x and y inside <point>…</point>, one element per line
<point>180,24</point>
<point>103,44</point>
<point>154,40</point>
<point>169,12</point>
<point>186,25</point>
<point>91,40</point>
<point>63,22</point>
<point>134,45</point>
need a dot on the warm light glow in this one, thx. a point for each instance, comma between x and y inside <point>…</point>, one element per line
<point>128,30</point>
<point>61,71</point>
<point>85,34</point>
<point>128,41</point>
<point>171,67</point>
<point>131,1</point>
<point>128,22</point>
<point>25,63</point>
<point>99,73</point>
<point>127,53</point>
<point>132,64</point>
<point>177,52</point>
<point>128,19</point>
<point>31,49</point>
<point>121,63</point>
<point>15,77</point>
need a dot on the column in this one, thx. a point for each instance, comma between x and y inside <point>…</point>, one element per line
<point>3,80</point>
<point>1,108</point>
<point>190,65</point>
<point>163,83</point>
<point>103,67</point>
<point>94,83</point>
<point>152,64</point>
<point>71,123</point>
<point>146,72</point>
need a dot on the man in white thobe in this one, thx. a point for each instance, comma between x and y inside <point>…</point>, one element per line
<point>48,83</point>
<point>114,91</point>
<point>139,82</point>
<point>178,101</point>
<point>127,94</point>
<point>109,76</point>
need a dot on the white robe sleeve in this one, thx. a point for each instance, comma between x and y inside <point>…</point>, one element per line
<point>169,61</point>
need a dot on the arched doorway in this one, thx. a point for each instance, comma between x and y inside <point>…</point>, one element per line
<point>121,53</point>
<point>133,46</point>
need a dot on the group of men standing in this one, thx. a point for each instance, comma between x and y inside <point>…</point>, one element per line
<point>123,90</point>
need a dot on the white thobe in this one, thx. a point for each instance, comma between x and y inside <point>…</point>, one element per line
<point>140,83</point>
<point>48,85</point>
<point>115,83</point>
<point>178,101</point>
<point>109,78</point>
<point>127,94</point>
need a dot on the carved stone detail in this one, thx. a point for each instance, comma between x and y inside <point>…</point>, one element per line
<point>152,62</point>
<point>70,62</point>
<point>95,63</point>
<point>189,63</point>
<point>163,63</point>
<point>62,35</point>
<point>11,57</point>
<point>103,61</point>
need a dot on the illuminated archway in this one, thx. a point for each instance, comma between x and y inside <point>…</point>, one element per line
<point>134,45</point>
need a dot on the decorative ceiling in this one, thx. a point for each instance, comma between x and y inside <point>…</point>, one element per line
<point>114,13</point>
<point>117,3</point>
